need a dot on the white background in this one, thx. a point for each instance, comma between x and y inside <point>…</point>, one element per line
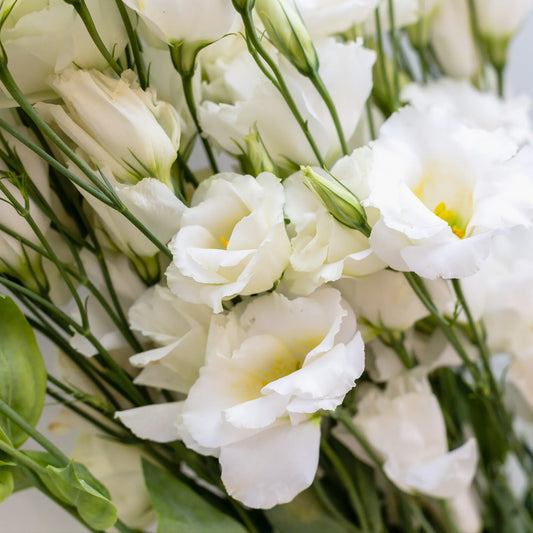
<point>29,512</point>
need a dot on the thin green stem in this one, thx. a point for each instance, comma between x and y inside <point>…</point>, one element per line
<point>395,52</point>
<point>104,192</point>
<point>81,8</point>
<point>252,37</point>
<point>353,495</point>
<point>187,82</point>
<point>420,290</point>
<point>381,59</point>
<point>134,43</point>
<point>322,90</point>
<point>21,458</point>
<point>32,432</point>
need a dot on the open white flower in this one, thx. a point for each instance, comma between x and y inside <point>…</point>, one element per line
<point>231,241</point>
<point>246,98</point>
<point>323,249</point>
<point>271,364</point>
<point>174,21</point>
<point>444,191</point>
<point>327,17</point>
<point>405,426</point>
<point>475,108</point>
<point>43,37</point>
<point>115,123</point>
<point>179,332</point>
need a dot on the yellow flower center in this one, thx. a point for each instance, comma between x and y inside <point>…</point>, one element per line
<point>224,241</point>
<point>451,218</point>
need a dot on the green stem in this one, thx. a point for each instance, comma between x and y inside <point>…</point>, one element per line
<point>21,458</point>
<point>187,82</point>
<point>32,432</point>
<point>322,90</point>
<point>353,495</point>
<point>85,15</point>
<point>104,192</point>
<point>395,52</point>
<point>134,43</point>
<point>381,59</point>
<point>420,290</point>
<point>251,35</point>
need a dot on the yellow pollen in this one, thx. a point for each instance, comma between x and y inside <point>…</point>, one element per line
<point>459,232</point>
<point>225,242</point>
<point>446,214</point>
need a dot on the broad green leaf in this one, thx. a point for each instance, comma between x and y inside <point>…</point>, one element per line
<point>304,513</point>
<point>95,508</point>
<point>180,509</point>
<point>22,370</point>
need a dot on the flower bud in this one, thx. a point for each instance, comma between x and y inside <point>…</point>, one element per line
<point>256,158</point>
<point>288,33</point>
<point>338,199</point>
<point>116,124</point>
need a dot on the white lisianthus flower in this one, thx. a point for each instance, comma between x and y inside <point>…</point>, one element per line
<point>271,364</point>
<point>323,249</point>
<point>502,19</point>
<point>115,123</point>
<point>444,191</point>
<point>179,331</point>
<point>475,108</point>
<point>246,98</point>
<point>174,21</point>
<point>327,17</point>
<point>231,241</point>
<point>405,426</point>
<point>386,300</point>
<point>451,36</point>
<point>43,37</point>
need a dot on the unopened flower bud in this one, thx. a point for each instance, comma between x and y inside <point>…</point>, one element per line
<point>288,33</point>
<point>256,158</point>
<point>338,199</point>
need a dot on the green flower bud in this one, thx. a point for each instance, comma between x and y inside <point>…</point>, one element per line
<point>288,33</point>
<point>256,158</point>
<point>338,199</point>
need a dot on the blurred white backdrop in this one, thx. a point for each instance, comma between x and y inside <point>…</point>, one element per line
<point>30,512</point>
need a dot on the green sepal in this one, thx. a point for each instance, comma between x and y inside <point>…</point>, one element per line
<point>22,371</point>
<point>74,485</point>
<point>180,509</point>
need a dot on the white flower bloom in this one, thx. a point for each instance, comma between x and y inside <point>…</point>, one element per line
<point>323,249</point>
<point>179,331</point>
<point>327,17</point>
<point>452,39</point>
<point>405,426</point>
<point>231,241</point>
<point>115,123</point>
<point>43,37</point>
<point>502,19</point>
<point>247,99</point>
<point>444,191</point>
<point>271,364</point>
<point>473,107</point>
<point>386,300</point>
<point>174,21</point>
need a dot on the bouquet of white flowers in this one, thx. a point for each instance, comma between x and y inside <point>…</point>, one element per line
<point>284,250</point>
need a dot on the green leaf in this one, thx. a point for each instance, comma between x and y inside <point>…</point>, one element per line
<point>74,488</point>
<point>22,370</point>
<point>304,513</point>
<point>180,509</point>
<point>7,483</point>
